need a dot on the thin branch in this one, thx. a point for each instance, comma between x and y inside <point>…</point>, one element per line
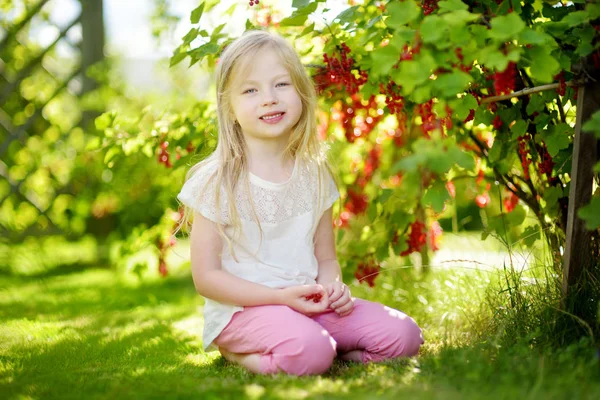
<point>561,111</point>
<point>525,92</point>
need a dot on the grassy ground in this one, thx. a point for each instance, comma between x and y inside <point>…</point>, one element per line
<point>93,334</point>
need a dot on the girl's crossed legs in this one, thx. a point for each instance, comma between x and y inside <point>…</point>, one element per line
<point>273,338</point>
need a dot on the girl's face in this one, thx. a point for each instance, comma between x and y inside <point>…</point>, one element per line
<point>265,102</point>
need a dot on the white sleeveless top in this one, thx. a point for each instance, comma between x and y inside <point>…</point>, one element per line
<point>288,213</point>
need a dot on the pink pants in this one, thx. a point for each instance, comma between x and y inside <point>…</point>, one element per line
<point>300,345</point>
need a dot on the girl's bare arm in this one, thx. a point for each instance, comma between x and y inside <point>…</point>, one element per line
<point>329,268</point>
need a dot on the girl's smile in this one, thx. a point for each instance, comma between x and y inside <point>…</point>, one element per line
<point>264,90</point>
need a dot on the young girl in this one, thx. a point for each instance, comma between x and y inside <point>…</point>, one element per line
<point>262,242</point>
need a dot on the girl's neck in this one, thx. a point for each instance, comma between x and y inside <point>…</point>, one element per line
<point>272,166</point>
<point>265,155</point>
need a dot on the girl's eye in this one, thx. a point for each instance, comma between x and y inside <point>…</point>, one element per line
<point>280,83</point>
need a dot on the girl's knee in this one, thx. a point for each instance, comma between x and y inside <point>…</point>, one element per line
<point>409,338</point>
<point>313,355</point>
<point>402,339</point>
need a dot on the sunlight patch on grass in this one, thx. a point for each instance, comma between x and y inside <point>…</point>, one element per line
<point>191,325</point>
<point>29,335</point>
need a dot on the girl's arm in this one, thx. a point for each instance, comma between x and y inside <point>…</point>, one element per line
<point>214,283</point>
<point>329,268</point>
<point>330,274</point>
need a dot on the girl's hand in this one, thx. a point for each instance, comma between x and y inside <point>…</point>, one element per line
<point>340,300</point>
<point>306,299</point>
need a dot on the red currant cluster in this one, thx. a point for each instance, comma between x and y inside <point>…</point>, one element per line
<point>497,122</point>
<point>430,120</point>
<point>253,2</point>
<point>393,99</point>
<point>504,82</point>
<point>367,272</point>
<point>339,71</point>
<point>356,203</point>
<point>523,152</point>
<point>163,155</point>
<point>416,239</point>
<point>315,297</point>
<point>562,88</point>
<point>459,54</point>
<point>510,202</point>
<point>372,162</point>
<point>546,164</point>
<point>162,248</point>
<point>429,6</point>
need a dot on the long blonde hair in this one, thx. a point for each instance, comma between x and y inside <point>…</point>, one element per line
<point>231,147</point>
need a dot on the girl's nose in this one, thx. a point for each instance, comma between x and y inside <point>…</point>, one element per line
<point>269,98</point>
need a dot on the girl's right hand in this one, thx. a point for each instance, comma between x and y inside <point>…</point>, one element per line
<point>306,299</point>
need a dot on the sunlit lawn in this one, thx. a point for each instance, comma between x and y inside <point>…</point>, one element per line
<point>95,334</point>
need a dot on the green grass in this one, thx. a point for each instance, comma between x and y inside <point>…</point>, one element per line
<point>94,334</point>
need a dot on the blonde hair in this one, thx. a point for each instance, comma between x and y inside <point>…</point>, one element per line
<point>231,148</point>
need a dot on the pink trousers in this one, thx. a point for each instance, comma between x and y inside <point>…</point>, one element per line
<point>296,344</point>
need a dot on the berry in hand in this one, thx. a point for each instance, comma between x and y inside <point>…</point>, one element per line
<point>316,297</point>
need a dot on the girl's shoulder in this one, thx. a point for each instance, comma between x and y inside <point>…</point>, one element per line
<point>198,191</point>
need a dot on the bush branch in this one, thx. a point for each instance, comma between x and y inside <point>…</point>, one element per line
<point>528,91</point>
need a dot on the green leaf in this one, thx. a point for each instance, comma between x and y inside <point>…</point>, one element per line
<point>451,5</point>
<point>190,36</point>
<point>385,195</point>
<point>530,235</point>
<point>433,28</point>
<point>104,121</point>
<point>591,214</point>
<point>593,124</point>
<point>199,53</point>
<point>111,153</point>
<point>307,30</point>
<point>506,27</point>
<point>551,196</point>
<point>93,144</point>
<point>536,104</point>
<point>402,35</point>
<point>347,15</point>
<point>436,196</point>
<point>460,17</point>
<point>483,116</point>
<point>493,58</point>
<point>300,3</point>
<point>384,59</point>
<point>575,18</point>
<point>495,152</point>
<point>197,13</point>
<point>529,36</point>
<point>593,10</point>
<point>414,72</point>
<point>452,83</point>
<point>463,106</point>
<point>519,128</point>
<point>299,16</point>
<point>543,65</point>
<point>557,138</point>
<point>177,58</point>
<point>402,12</point>
<point>461,158</point>
<point>440,163</point>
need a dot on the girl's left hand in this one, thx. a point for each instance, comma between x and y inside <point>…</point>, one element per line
<point>340,300</point>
